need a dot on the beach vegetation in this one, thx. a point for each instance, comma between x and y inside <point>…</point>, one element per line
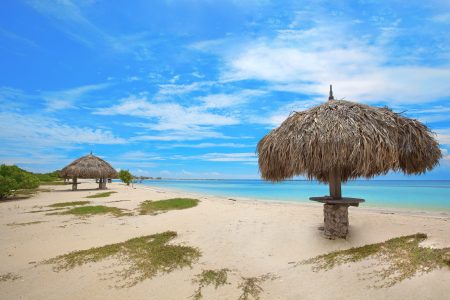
<point>398,259</point>
<point>101,195</point>
<point>140,258</point>
<point>52,178</point>
<point>13,179</point>
<point>251,286</point>
<point>93,210</point>
<point>210,277</point>
<point>9,277</point>
<point>73,203</point>
<point>25,224</point>
<point>125,176</point>
<point>115,201</point>
<point>153,207</point>
<point>45,210</point>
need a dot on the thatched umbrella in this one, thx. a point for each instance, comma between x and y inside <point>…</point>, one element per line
<point>342,140</point>
<point>89,166</point>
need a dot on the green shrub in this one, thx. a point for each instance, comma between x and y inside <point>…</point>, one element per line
<point>13,178</point>
<point>125,176</point>
<point>48,177</point>
<point>153,207</point>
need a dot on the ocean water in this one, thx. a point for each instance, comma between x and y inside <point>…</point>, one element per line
<point>403,194</point>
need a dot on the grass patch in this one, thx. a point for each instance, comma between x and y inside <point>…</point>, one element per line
<point>141,257</point>
<point>153,207</point>
<point>44,210</point>
<point>398,259</point>
<point>9,277</point>
<point>101,195</point>
<point>73,203</point>
<point>250,286</point>
<point>94,210</point>
<point>115,201</point>
<point>210,277</point>
<point>24,224</point>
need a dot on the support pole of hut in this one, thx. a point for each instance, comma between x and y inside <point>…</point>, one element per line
<point>335,184</point>
<point>335,215</point>
<point>74,184</point>
<point>102,183</point>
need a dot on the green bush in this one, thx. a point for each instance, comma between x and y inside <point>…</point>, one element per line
<point>48,177</point>
<point>13,178</point>
<point>125,176</point>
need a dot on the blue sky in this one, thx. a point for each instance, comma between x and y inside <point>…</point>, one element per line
<point>185,89</point>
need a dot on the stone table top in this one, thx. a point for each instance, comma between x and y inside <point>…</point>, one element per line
<point>343,201</point>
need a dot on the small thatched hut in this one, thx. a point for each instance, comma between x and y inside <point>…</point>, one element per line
<point>89,166</point>
<point>342,140</point>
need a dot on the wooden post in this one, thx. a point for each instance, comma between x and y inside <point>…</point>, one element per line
<point>100,186</point>
<point>74,184</point>
<point>335,184</point>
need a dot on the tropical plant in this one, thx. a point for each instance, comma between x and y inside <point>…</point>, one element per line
<point>13,178</point>
<point>125,176</point>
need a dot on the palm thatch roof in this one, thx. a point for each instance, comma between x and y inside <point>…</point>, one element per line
<point>89,166</point>
<point>356,139</point>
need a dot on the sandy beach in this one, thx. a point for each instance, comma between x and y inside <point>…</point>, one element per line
<point>249,238</point>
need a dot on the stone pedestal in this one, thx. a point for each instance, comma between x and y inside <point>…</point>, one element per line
<point>336,220</point>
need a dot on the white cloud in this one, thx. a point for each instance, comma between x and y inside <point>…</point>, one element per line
<point>35,158</point>
<point>307,61</point>
<point>276,117</point>
<point>180,89</point>
<point>442,18</point>
<point>184,172</point>
<point>70,19</point>
<point>170,115</point>
<point>445,157</point>
<point>212,101</point>
<point>206,145</point>
<point>11,98</point>
<point>40,132</point>
<point>17,38</point>
<point>126,164</point>
<point>230,157</point>
<point>139,156</point>
<point>187,134</point>
<point>221,157</point>
<point>66,99</point>
<point>133,78</point>
<point>431,114</point>
<point>176,121</point>
<point>443,136</point>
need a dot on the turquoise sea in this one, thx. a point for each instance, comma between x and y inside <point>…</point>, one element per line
<point>403,194</point>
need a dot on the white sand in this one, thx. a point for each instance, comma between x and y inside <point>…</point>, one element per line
<point>250,238</point>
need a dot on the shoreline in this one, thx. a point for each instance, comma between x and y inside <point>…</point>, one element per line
<point>381,210</point>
